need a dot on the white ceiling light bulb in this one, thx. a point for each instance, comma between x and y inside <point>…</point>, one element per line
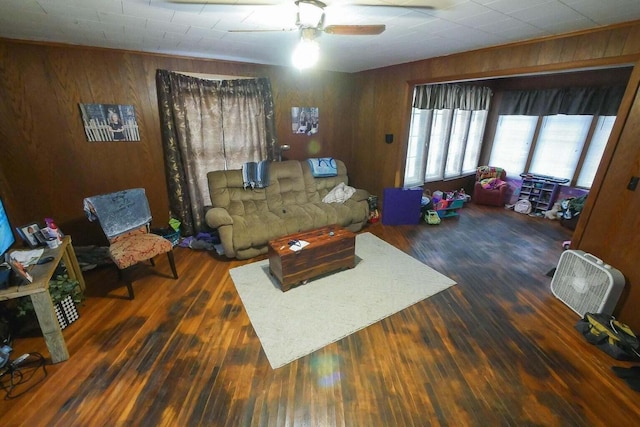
<point>306,54</point>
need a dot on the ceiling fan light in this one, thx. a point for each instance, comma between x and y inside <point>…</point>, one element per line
<point>309,14</point>
<point>306,54</point>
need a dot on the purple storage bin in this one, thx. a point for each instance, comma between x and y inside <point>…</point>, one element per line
<point>401,206</point>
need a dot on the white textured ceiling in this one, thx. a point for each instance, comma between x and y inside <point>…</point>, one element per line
<point>201,30</point>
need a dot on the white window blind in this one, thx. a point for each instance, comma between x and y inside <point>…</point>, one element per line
<point>474,141</point>
<point>512,143</point>
<point>595,151</point>
<point>417,149</point>
<point>559,146</point>
<point>438,145</point>
<point>457,142</point>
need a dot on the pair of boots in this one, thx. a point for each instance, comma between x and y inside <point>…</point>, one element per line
<point>630,375</point>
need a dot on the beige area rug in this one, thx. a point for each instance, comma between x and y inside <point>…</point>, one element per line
<point>295,323</point>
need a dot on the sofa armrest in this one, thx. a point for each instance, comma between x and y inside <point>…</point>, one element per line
<point>217,217</point>
<point>360,195</point>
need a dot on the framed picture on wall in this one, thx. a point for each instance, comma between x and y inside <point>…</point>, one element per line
<point>305,120</point>
<point>109,122</point>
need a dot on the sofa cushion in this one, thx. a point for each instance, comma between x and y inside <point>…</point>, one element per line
<point>322,214</point>
<point>256,229</point>
<point>318,188</point>
<point>295,218</point>
<point>227,191</point>
<point>286,186</point>
<point>247,202</point>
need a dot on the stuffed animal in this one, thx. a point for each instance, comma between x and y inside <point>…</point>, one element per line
<point>553,213</point>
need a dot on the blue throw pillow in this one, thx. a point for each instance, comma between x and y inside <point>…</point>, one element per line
<point>323,166</point>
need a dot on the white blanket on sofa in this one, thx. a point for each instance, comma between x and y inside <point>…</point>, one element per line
<point>339,194</point>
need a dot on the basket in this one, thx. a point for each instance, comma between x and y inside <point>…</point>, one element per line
<point>442,204</point>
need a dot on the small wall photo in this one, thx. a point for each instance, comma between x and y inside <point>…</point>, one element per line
<point>305,120</point>
<point>109,122</point>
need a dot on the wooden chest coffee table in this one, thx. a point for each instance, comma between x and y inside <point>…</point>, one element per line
<point>330,248</point>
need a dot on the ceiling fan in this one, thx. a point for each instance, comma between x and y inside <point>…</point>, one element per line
<point>310,21</point>
<point>310,18</point>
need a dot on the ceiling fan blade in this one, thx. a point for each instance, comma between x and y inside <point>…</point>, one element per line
<point>354,30</point>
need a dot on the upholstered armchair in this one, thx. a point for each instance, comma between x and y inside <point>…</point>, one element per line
<point>490,187</point>
<point>125,217</point>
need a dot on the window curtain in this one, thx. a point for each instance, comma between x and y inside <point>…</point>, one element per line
<point>451,97</point>
<point>210,125</point>
<point>603,101</point>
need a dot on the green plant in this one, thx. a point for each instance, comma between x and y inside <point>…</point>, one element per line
<point>60,287</point>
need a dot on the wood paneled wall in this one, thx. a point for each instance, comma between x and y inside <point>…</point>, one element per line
<point>609,227</point>
<point>47,165</point>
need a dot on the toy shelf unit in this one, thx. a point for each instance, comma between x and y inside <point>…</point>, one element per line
<point>541,191</point>
<point>449,208</point>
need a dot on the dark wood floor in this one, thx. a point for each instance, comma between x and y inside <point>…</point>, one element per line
<point>497,349</point>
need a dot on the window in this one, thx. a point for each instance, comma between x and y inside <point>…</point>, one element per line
<point>446,131</point>
<point>556,150</point>
<point>512,142</point>
<point>474,141</point>
<point>595,151</point>
<point>560,132</point>
<point>451,141</point>
<point>437,143</point>
<point>416,152</point>
<point>559,145</point>
<point>457,140</point>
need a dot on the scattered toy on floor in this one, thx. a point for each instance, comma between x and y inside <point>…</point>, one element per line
<point>554,213</point>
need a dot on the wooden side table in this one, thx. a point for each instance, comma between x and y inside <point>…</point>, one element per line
<point>38,291</point>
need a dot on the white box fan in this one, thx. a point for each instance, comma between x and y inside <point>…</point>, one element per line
<point>586,284</point>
